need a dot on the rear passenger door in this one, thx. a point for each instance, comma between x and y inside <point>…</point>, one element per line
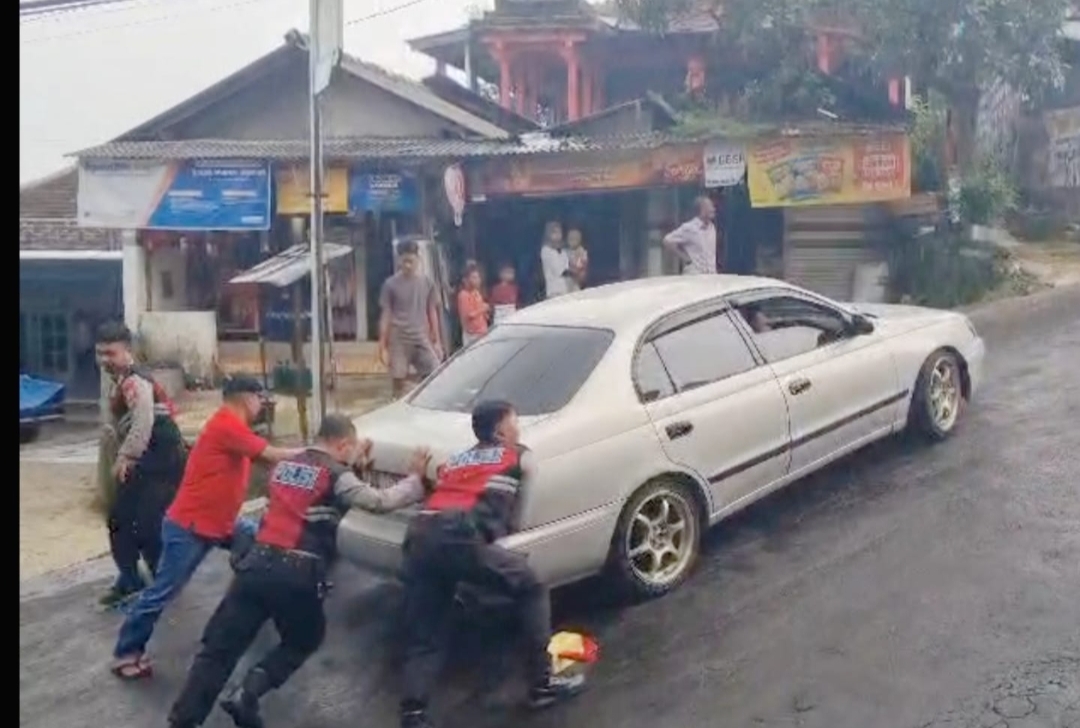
<point>717,409</point>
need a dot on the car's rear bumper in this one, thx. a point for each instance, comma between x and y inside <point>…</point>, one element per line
<point>560,552</point>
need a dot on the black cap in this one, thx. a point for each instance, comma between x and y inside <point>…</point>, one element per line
<point>242,384</point>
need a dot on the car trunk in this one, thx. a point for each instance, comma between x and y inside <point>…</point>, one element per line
<point>374,540</point>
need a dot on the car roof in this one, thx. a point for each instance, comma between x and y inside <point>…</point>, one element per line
<point>631,306</point>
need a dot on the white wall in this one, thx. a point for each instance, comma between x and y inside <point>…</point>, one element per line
<point>170,263</point>
<point>186,337</point>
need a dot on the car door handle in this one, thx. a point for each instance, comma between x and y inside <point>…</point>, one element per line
<point>798,386</point>
<point>678,429</point>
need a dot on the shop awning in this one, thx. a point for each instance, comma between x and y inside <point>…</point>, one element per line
<point>289,266</point>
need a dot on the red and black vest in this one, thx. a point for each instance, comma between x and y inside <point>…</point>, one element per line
<point>303,511</point>
<point>482,481</point>
<point>166,452</point>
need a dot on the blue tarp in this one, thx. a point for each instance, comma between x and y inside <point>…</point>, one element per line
<point>39,398</point>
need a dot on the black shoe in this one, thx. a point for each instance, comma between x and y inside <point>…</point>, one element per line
<point>415,719</point>
<point>556,689</point>
<point>243,707</point>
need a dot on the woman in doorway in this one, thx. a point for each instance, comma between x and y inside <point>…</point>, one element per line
<point>472,308</point>
<point>577,258</point>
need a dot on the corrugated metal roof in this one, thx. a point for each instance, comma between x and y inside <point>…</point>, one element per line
<point>289,266</point>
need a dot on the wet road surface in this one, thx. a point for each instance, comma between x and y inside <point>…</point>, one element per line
<point>904,588</point>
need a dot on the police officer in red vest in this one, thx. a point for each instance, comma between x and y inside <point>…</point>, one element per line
<point>282,577</point>
<point>452,542</point>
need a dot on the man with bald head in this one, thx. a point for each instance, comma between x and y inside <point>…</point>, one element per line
<point>694,242</point>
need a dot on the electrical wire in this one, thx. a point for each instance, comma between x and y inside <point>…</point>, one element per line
<point>148,21</point>
<point>228,6</point>
<point>387,11</point>
<point>84,8</point>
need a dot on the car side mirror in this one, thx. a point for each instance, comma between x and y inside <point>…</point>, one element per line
<point>861,325</point>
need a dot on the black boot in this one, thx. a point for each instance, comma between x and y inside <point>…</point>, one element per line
<point>555,689</point>
<point>243,704</point>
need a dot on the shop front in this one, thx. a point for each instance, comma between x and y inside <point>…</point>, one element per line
<point>621,201</point>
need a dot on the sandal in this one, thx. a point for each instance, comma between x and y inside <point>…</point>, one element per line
<point>132,668</point>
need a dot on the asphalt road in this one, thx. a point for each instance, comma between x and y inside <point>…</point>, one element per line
<point>904,588</point>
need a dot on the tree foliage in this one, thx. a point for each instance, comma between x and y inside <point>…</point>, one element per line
<point>954,47</point>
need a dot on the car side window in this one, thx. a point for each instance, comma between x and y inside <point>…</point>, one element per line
<point>787,326</point>
<point>650,376</point>
<point>703,352</point>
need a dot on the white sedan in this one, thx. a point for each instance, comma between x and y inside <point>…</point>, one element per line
<point>656,408</point>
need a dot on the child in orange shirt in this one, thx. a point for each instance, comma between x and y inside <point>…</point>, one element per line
<point>504,294</point>
<point>472,308</point>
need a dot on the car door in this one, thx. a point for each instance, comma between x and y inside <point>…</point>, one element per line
<point>841,386</point>
<point>717,409</point>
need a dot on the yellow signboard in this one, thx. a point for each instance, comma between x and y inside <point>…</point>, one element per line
<point>293,185</point>
<point>797,172</point>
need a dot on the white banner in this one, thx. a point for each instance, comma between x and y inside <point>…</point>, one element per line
<point>725,164</point>
<point>120,194</point>
<point>327,28</point>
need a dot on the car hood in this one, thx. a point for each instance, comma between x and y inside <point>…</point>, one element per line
<point>896,318</point>
<point>397,429</point>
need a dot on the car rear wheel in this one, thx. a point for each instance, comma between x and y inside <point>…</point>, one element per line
<point>938,400</point>
<point>657,540</point>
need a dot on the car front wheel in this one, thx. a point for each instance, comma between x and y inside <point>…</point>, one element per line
<point>657,540</point>
<point>938,400</point>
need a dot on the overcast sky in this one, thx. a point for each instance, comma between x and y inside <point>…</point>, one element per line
<point>87,76</point>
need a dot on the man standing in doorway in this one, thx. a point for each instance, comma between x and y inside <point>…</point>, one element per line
<point>694,242</point>
<point>409,325</point>
<point>554,262</point>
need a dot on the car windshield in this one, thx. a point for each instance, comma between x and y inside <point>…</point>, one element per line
<point>535,368</point>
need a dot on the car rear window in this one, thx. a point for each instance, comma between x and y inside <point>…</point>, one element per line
<point>538,369</point>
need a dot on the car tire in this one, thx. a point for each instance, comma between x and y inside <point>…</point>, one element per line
<point>938,400</point>
<point>28,433</point>
<point>642,529</point>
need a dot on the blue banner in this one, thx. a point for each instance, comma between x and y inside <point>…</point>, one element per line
<point>188,195</point>
<point>377,192</point>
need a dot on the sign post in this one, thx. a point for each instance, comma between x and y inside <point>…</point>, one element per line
<point>324,53</point>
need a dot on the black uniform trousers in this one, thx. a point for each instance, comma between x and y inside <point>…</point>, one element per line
<point>269,585</point>
<point>443,551</point>
<point>134,519</point>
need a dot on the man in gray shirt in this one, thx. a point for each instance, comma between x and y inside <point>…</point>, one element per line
<point>409,330</point>
<point>694,242</point>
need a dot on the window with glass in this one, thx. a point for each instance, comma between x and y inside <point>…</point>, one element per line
<point>699,353</point>
<point>787,326</point>
<point>538,369</point>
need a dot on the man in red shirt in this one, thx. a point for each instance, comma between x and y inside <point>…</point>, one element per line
<point>201,516</point>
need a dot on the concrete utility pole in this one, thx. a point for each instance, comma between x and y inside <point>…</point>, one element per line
<point>324,53</point>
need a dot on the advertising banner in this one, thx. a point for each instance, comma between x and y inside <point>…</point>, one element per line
<point>795,172</point>
<point>378,192</point>
<point>189,195</point>
<point>552,174</point>
<point>292,184</point>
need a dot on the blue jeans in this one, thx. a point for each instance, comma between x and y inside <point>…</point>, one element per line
<point>181,553</point>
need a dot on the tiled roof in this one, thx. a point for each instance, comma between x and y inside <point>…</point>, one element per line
<point>363,148</point>
<point>390,148</point>
<point>47,217</point>
<point>296,43</point>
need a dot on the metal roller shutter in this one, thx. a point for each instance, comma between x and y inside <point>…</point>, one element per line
<point>824,245</point>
